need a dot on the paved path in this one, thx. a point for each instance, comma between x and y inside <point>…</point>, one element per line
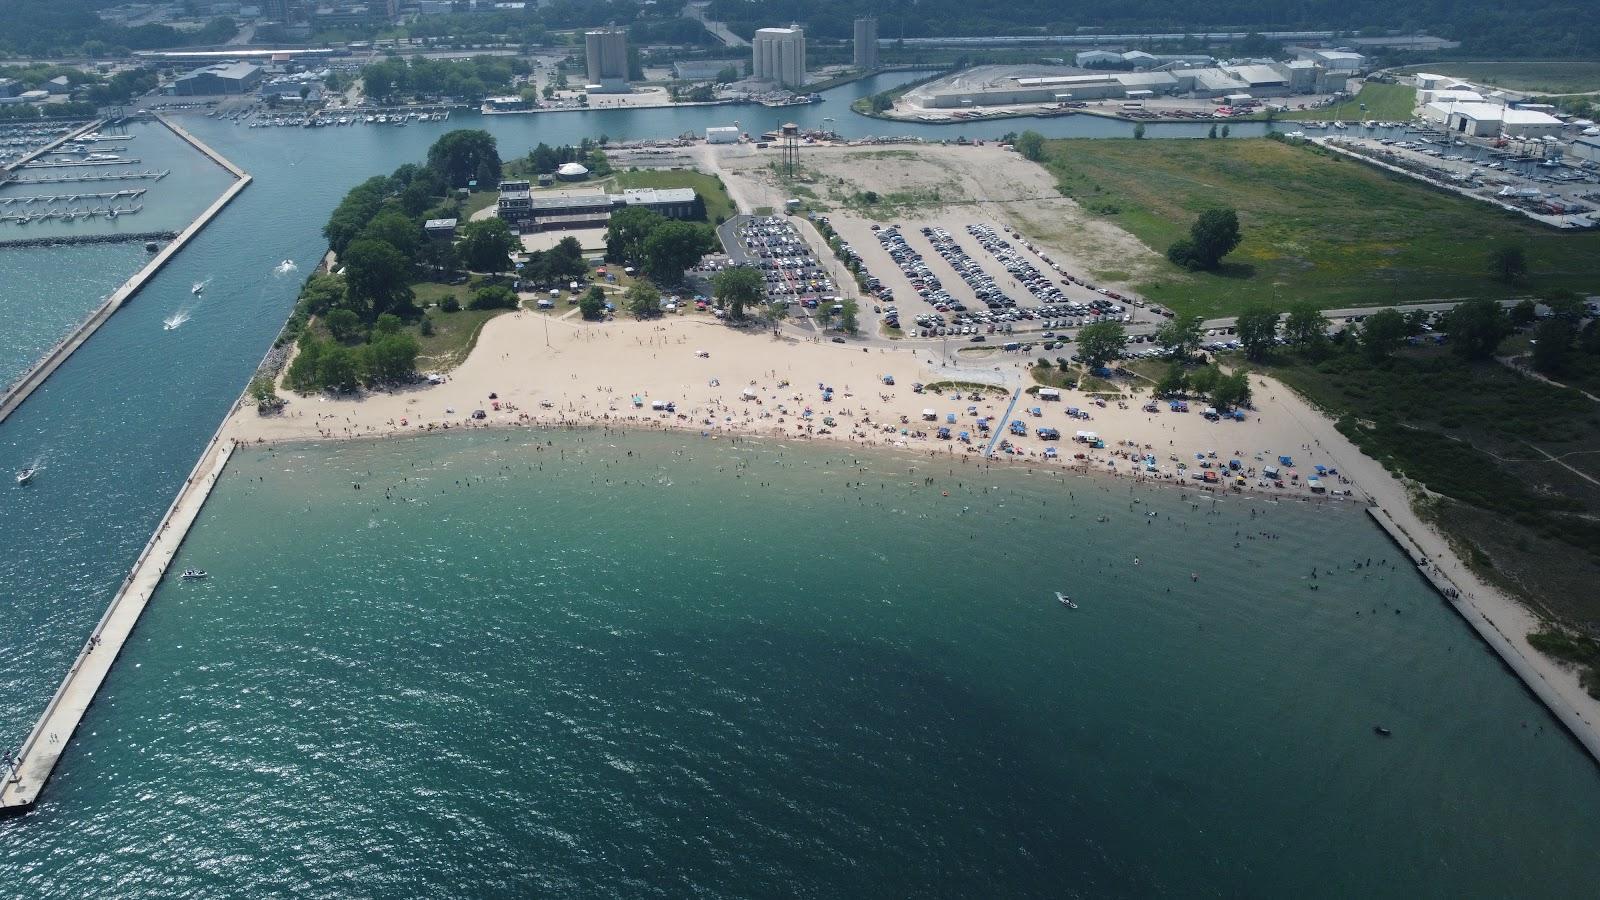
<point>1000,427</point>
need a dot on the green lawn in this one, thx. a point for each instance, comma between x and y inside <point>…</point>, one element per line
<point>1386,102</point>
<point>1542,75</point>
<point>1320,228</point>
<point>710,189</point>
<point>454,334</point>
<point>1477,435</point>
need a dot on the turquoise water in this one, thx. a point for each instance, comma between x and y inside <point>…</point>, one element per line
<point>548,683</point>
<point>168,204</point>
<point>42,301</point>
<point>603,666</point>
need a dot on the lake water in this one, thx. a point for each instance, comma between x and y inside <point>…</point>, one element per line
<point>644,687</point>
<point>579,664</point>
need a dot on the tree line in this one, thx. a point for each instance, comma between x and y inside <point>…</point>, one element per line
<point>469,79</point>
<point>376,234</point>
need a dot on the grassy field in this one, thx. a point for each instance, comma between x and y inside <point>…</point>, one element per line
<point>718,203</point>
<point>1542,75</point>
<point>454,334</point>
<point>477,201</point>
<point>1318,228</point>
<point>1480,437</point>
<point>1387,102</point>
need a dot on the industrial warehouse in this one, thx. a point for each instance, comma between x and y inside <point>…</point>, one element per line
<point>1049,84</point>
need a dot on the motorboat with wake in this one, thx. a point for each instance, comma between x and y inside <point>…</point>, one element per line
<point>1065,600</point>
<point>194,574</point>
<point>26,475</point>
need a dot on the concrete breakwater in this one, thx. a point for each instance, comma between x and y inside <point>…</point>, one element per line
<point>68,239</point>
<point>37,757</point>
<point>29,382</point>
<point>1500,642</point>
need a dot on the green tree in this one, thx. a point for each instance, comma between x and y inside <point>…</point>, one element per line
<point>1508,263</point>
<point>322,293</point>
<point>396,229</point>
<point>739,287</point>
<point>1204,379</point>
<point>387,324</point>
<point>1138,132</point>
<point>849,319</point>
<point>1212,236</point>
<point>1100,343</point>
<point>464,155</point>
<point>1476,328</point>
<point>1031,145</point>
<point>353,213</point>
<point>1226,130</point>
<point>390,357</point>
<point>675,246</point>
<point>337,369</point>
<point>303,372</point>
<point>627,232</point>
<point>492,296</point>
<point>592,306</point>
<point>378,278</point>
<point>1551,345</point>
<point>1258,333</point>
<point>486,245</point>
<point>344,325</point>
<point>1382,334</point>
<point>642,300</point>
<point>265,394</point>
<point>1212,133</point>
<point>1231,390</point>
<point>1306,325</point>
<point>1173,382</point>
<point>1180,336</point>
<point>1524,313</point>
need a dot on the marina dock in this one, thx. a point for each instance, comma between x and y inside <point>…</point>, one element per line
<point>29,382</point>
<point>1580,728</point>
<point>48,740</point>
<point>65,177</point>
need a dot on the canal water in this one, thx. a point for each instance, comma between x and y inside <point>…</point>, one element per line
<point>589,664</point>
<point>299,720</point>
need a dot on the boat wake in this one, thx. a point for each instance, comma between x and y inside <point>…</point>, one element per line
<point>286,267</point>
<point>175,321</point>
<point>199,286</point>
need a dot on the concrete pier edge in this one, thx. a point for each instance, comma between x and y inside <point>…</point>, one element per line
<point>1498,641</point>
<point>35,763</point>
<point>33,378</point>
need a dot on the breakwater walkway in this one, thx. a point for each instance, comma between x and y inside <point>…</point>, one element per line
<point>63,240</point>
<point>37,758</point>
<point>1466,604</point>
<point>29,382</point>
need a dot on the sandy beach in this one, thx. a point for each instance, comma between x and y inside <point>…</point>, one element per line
<point>725,380</point>
<point>535,369</point>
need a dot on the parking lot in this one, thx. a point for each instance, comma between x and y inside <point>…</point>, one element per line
<point>979,281</point>
<point>774,246</point>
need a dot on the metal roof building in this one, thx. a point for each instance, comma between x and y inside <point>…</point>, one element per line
<point>223,78</point>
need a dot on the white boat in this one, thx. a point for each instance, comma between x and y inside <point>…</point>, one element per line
<point>1066,601</point>
<point>193,574</point>
<point>198,287</point>
<point>26,475</point>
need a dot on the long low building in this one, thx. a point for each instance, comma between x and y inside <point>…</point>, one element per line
<point>1014,85</point>
<point>528,210</point>
<point>1492,120</point>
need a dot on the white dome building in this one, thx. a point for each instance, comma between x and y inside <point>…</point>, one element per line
<point>572,172</point>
